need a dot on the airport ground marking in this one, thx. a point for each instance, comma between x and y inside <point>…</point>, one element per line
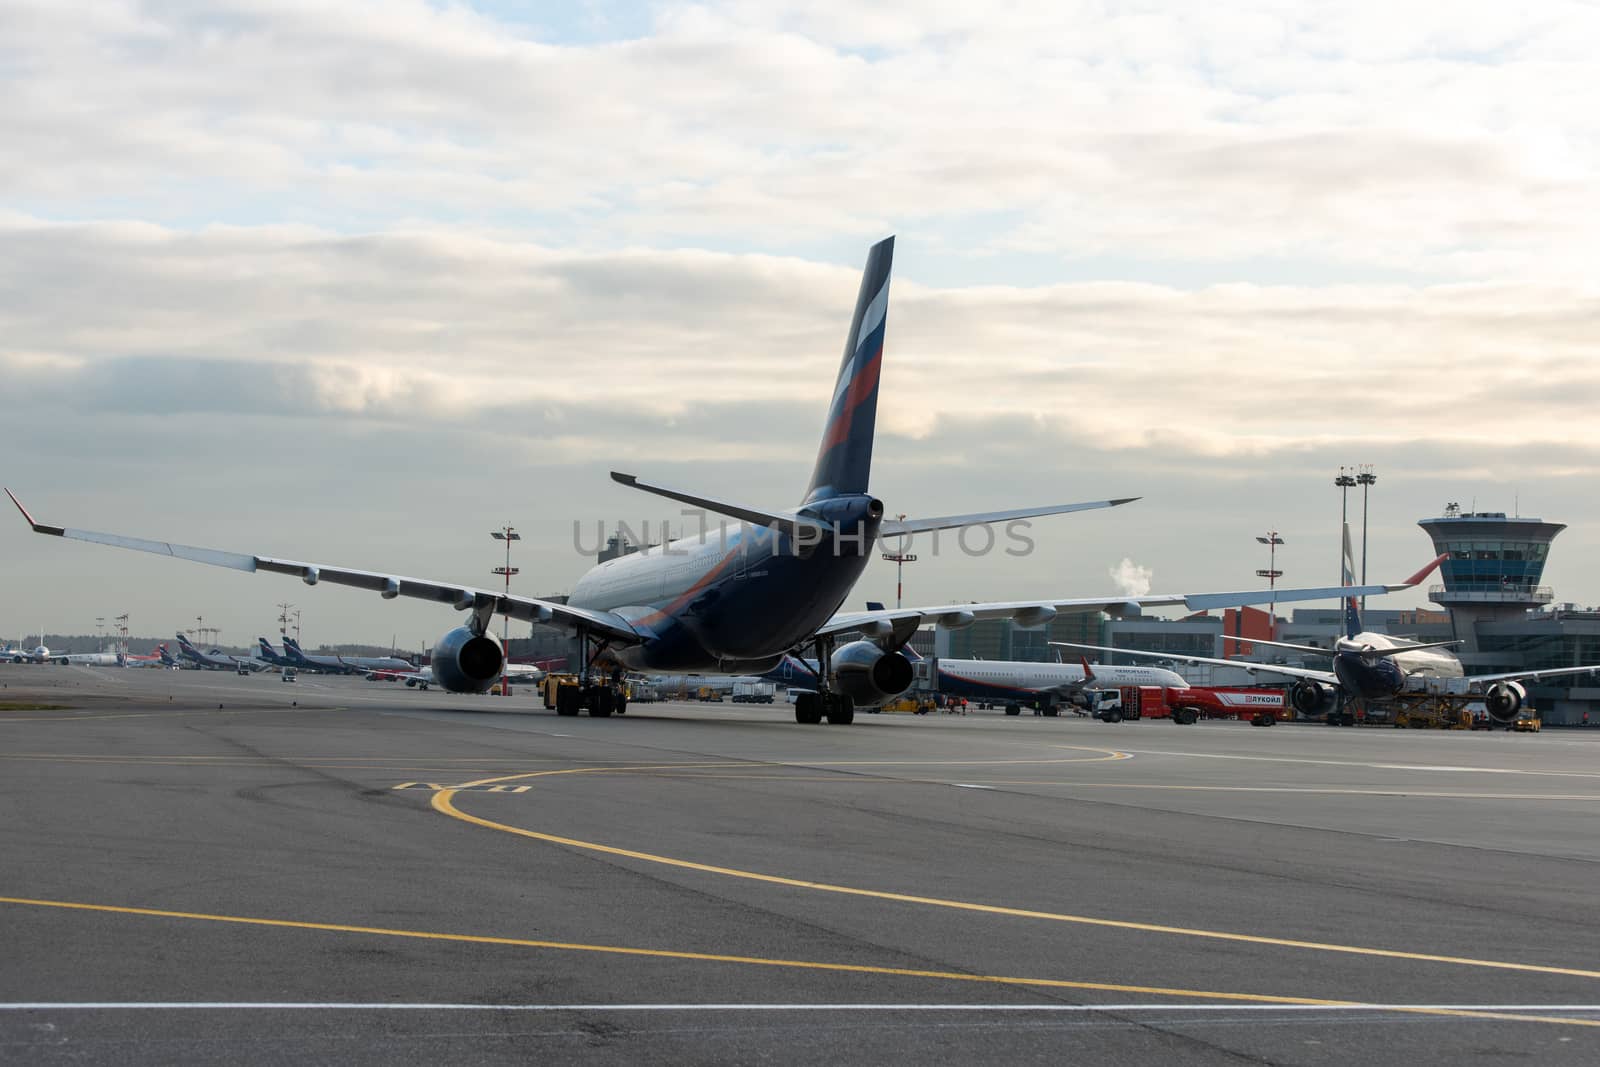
<point>1521,1012</point>
<point>1216,996</point>
<point>1432,768</point>
<point>443,802</point>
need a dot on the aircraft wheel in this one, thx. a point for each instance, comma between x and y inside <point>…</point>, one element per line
<point>601,702</point>
<point>808,709</point>
<point>567,699</point>
<point>1013,709</point>
<point>841,710</point>
<point>1051,711</point>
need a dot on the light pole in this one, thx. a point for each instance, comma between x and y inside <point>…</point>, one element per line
<point>508,534</point>
<point>1344,483</point>
<point>1367,480</point>
<point>283,617</point>
<point>900,558</point>
<point>1272,574</point>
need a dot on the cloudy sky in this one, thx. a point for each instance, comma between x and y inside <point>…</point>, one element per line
<point>358,282</point>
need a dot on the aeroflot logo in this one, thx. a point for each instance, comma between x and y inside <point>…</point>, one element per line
<point>694,529</point>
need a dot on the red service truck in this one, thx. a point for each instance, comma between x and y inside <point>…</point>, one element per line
<point>1258,707</point>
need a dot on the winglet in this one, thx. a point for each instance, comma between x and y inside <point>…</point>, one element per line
<point>1416,579</point>
<point>38,527</point>
<point>1088,671</point>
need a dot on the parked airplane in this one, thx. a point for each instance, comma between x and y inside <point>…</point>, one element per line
<point>216,659</point>
<point>737,601</point>
<point>1373,668</point>
<point>152,660</point>
<point>42,654</point>
<point>271,655</point>
<point>342,664</point>
<point>1047,686</point>
<point>414,677</point>
<point>1014,684</point>
<point>326,664</point>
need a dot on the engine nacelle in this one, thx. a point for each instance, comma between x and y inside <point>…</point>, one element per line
<point>465,662</point>
<point>1503,700</point>
<point>868,675</point>
<point>1310,698</point>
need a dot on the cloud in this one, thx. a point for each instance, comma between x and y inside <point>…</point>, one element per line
<point>1453,143</point>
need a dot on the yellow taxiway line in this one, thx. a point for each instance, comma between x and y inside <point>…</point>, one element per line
<point>444,802</point>
<point>810,965</point>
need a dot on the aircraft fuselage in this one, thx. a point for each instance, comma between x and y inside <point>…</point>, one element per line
<point>734,600</point>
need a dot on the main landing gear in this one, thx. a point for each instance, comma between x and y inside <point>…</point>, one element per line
<point>812,708</point>
<point>600,697</point>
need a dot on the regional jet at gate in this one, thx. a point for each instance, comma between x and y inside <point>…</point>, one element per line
<point>735,602</point>
<point>1371,667</point>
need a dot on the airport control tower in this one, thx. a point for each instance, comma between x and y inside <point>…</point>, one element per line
<point>1493,571</point>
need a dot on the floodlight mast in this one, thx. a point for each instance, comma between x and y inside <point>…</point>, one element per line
<point>508,534</point>
<point>1271,574</point>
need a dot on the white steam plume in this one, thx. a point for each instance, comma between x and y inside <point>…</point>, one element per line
<point>1131,579</point>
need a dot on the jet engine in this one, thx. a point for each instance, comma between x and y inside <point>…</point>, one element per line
<point>1503,700</point>
<point>1310,698</point>
<point>869,675</point>
<point>465,662</point>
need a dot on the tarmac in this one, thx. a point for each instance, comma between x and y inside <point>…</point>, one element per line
<point>197,867</point>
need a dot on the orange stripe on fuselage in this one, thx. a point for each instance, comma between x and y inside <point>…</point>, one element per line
<point>688,594</point>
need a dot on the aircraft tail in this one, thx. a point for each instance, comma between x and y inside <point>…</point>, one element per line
<point>267,650</point>
<point>844,459</point>
<point>1352,606</point>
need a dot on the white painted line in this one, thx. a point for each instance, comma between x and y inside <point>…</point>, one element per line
<point>1439,768</point>
<point>968,785</point>
<point>1545,1009</point>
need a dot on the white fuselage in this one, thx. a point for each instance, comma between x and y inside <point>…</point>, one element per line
<point>652,576</point>
<point>1426,662</point>
<point>1045,677</point>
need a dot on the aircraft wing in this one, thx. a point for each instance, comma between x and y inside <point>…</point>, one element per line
<point>905,527</point>
<point>389,586</point>
<point>900,623</point>
<point>1533,676</point>
<point>1326,677</point>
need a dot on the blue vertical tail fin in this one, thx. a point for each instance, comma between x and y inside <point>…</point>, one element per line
<point>1352,607</point>
<point>844,459</point>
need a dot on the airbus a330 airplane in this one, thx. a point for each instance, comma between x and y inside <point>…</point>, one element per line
<point>1372,667</point>
<point>734,603</point>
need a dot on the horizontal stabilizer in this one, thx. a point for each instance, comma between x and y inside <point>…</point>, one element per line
<point>901,527</point>
<point>785,521</point>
